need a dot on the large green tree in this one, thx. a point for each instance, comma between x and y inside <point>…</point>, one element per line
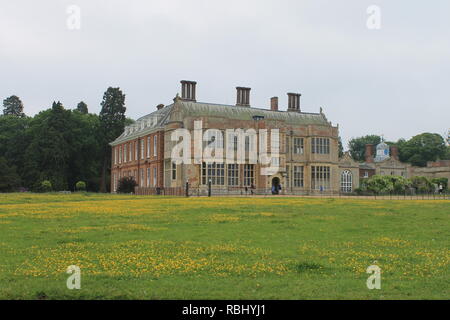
<point>112,124</point>
<point>9,179</point>
<point>13,106</point>
<point>82,107</point>
<point>422,148</point>
<point>357,146</point>
<point>14,140</point>
<point>48,155</point>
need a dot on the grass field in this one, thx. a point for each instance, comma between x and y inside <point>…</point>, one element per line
<point>222,248</point>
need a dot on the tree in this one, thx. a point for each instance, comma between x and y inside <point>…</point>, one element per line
<point>340,147</point>
<point>49,153</point>
<point>82,107</point>
<point>13,106</point>
<point>14,140</point>
<point>422,148</point>
<point>9,179</point>
<point>422,184</point>
<point>357,146</point>
<point>112,124</point>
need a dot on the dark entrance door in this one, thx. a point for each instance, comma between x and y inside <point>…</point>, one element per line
<point>275,185</point>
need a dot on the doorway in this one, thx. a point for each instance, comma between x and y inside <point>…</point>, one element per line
<point>276,185</point>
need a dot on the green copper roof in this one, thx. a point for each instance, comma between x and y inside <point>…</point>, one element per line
<point>181,110</point>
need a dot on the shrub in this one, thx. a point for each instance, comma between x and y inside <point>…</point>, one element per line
<point>438,181</point>
<point>126,185</point>
<point>380,184</point>
<point>80,186</point>
<point>422,184</point>
<point>46,186</point>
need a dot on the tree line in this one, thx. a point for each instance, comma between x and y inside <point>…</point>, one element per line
<point>59,146</point>
<point>62,147</point>
<point>418,150</point>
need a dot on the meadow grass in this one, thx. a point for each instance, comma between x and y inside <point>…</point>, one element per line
<point>131,247</point>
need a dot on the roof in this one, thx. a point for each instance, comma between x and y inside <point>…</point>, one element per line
<point>182,109</point>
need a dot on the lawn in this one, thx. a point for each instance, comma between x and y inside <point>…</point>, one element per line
<point>131,247</point>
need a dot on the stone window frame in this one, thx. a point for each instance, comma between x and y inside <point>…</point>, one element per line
<point>298,175</point>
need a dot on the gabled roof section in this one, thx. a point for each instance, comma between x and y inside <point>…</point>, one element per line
<point>145,125</point>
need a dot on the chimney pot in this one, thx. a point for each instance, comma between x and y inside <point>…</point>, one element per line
<point>159,106</point>
<point>274,103</point>
<point>369,153</point>
<point>394,152</point>
<point>294,102</point>
<point>243,96</point>
<point>188,90</point>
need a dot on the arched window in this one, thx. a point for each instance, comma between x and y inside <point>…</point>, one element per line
<point>346,181</point>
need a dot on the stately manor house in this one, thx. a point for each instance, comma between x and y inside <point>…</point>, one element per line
<point>308,150</point>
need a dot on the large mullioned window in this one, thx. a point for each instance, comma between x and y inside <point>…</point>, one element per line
<point>298,145</point>
<point>320,178</point>
<point>298,176</point>
<point>233,174</point>
<point>249,175</point>
<point>320,145</point>
<point>214,172</point>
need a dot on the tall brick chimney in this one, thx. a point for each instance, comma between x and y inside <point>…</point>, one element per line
<point>294,102</point>
<point>274,103</point>
<point>369,153</point>
<point>394,152</point>
<point>188,90</point>
<point>243,96</point>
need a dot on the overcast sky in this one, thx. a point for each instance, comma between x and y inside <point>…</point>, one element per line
<point>393,81</point>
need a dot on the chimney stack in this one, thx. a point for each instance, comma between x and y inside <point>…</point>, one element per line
<point>369,153</point>
<point>274,103</point>
<point>394,152</point>
<point>243,96</point>
<point>188,90</point>
<point>294,102</point>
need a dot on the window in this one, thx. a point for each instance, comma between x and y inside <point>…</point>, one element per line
<point>320,178</point>
<point>114,182</point>
<point>366,174</point>
<point>174,171</point>
<point>125,153</point>
<point>120,154</point>
<point>347,181</point>
<point>287,145</point>
<point>249,175</point>
<point>155,145</point>
<point>130,152</point>
<point>142,148</point>
<point>136,150</point>
<point>298,176</point>
<point>148,147</point>
<point>288,174</point>
<point>115,154</point>
<point>155,177</point>
<point>214,172</point>
<point>148,177</point>
<point>298,145</point>
<point>233,174</point>
<point>141,179</point>
<point>320,145</point>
